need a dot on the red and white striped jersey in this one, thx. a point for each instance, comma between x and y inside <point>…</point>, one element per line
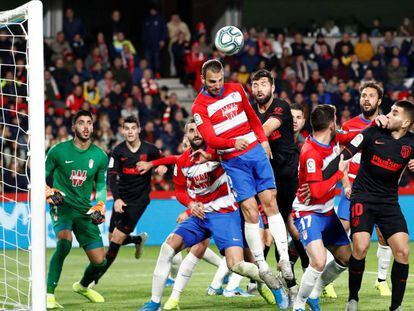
<point>358,124</point>
<point>205,183</point>
<point>314,157</point>
<point>226,117</point>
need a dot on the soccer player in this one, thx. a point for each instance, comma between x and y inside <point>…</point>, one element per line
<point>298,115</point>
<point>228,123</point>
<point>370,101</point>
<point>316,221</point>
<point>130,190</point>
<point>385,154</point>
<point>76,166</point>
<point>203,188</point>
<point>277,120</point>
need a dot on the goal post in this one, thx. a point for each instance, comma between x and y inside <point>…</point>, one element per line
<point>22,159</point>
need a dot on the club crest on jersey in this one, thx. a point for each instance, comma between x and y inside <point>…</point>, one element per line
<point>78,177</point>
<point>90,163</point>
<point>406,151</point>
<point>229,111</point>
<point>143,157</point>
<point>305,234</point>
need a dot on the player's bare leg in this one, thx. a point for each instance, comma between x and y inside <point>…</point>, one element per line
<point>361,242</point>
<point>317,260</point>
<point>63,246</point>
<point>384,254</point>
<point>277,229</point>
<point>97,264</point>
<point>399,243</point>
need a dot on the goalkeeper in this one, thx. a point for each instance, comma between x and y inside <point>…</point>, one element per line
<point>77,166</point>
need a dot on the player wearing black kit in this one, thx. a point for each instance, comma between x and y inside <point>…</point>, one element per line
<point>130,190</point>
<point>386,152</point>
<point>277,121</point>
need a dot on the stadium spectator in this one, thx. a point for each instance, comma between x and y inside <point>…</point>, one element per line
<point>148,110</point>
<point>154,37</point>
<point>80,70</point>
<point>119,42</point>
<point>336,69</point>
<point>364,49</point>
<point>329,29</point>
<point>121,74</point>
<point>91,93</point>
<point>376,29</point>
<point>356,70</point>
<point>129,109</point>
<point>148,84</point>
<point>407,28</point>
<point>280,44</point>
<point>178,50</point>
<point>345,41</point>
<point>78,46</point>
<point>106,84</point>
<point>396,74</point>
<point>298,46</point>
<point>61,75</point>
<point>388,42</point>
<point>116,25</point>
<point>72,25</point>
<point>193,62</point>
<point>60,47</point>
<point>75,100</point>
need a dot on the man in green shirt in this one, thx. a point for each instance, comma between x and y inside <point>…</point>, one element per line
<point>77,166</point>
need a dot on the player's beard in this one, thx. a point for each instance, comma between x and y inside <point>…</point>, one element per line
<point>196,146</point>
<point>370,112</point>
<point>79,135</point>
<point>264,100</point>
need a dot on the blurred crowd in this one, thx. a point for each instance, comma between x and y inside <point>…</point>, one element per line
<point>115,76</point>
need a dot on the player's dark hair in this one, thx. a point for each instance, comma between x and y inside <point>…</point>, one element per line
<point>262,73</point>
<point>408,108</point>
<point>322,116</point>
<point>132,119</point>
<point>81,113</point>
<point>373,85</point>
<point>213,65</point>
<point>189,121</point>
<point>296,106</point>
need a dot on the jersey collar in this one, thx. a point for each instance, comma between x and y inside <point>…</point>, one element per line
<point>326,146</point>
<point>205,92</point>
<point>361,116</point>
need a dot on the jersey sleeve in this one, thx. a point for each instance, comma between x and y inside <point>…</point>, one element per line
<point>51,161</point>
<point>180,183</point>
<point>357,143</point>
<point>281,112</point>
<point>313,167</point>
<point>170,160</point>
<point>101,179</point>
<point>113,173</point>
<point>205,127</point>
<point>254,121</point>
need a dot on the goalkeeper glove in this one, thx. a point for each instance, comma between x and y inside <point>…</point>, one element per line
<point>97,213</point>
<point>54,196</point>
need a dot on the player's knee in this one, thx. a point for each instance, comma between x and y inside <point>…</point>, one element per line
<point>401,254</point>
<point>318,263</point>
<point>118,236</point>
<point>360,250</point>
<point>251,214</point>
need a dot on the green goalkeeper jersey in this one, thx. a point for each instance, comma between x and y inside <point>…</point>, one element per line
<point>76,172</point>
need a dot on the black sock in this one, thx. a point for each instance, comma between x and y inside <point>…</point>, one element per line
<point>304,259</point>
<point>291,283</point>
<point>111,254</point>
<point>399,275</point>
<point>266,251</point>
<point>380,280</point>
<point>293,254</point>
<point>356,271</point>
<point>277,256</point>
<point>132,239</point>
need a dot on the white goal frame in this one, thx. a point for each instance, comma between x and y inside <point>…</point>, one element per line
<point>33,11</point>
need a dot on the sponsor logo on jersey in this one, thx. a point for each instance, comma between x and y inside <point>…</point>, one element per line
<point>197,119</point>
<point>230,111</point>
<point>78,177</point>
<point>311,166</point>
<point>357,140</point>
<point>406,151</point>
<point>387,164</point>
<point>91,163</point>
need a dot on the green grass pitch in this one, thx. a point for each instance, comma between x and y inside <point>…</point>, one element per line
<point>127,285</point>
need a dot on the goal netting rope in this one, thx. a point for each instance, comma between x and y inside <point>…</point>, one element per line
<point>15,211</point>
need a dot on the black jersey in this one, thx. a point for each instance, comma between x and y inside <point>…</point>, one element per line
<point>282,140</point>
<point>125,181</point>
<point>383,160</point>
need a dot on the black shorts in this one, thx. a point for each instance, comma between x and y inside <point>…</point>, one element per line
<point>388,218</point>
<point>286,176</point>
<point>126,221</point>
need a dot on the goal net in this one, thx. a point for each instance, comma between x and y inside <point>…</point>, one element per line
<point>22,211</point>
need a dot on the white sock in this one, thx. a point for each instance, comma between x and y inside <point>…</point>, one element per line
<point>330,273</point>
<point>252,234</point>
<point>309,279</point>
<point>384,254</point>
<point>211,257</point>
<point>184,274</point>
<point>277,228</point>
<point>329,257</point>
<point>161,271</point>
<point>222,271</point>
<point>234,281</point>
<point>176,262</point>
<point>248,270</point>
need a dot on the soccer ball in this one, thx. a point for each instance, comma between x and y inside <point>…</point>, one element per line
<point>229,40</point>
